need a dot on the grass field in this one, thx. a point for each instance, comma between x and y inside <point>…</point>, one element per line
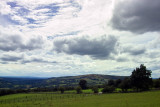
<point>143,99</point>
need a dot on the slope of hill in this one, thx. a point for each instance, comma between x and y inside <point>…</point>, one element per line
<point>22,83</point>
<point>92,79</point>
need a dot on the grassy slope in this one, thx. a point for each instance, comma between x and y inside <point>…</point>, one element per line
<point>144,99</point>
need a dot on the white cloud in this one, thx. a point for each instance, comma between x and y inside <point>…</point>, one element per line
<point>28,29</point>
<point>4,8</point>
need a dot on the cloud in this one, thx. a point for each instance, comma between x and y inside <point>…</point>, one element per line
<point>98,48</point>
<point>137,16</point>
<point>122,59</point>
<point>4,8</point>
<point>11,58</point>
<point>36,60</point>
<point>134,50</point>
<point>12,42</point>
<point>39,36</point>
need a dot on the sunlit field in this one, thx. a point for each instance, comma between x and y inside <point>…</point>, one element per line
<point>143,99</point>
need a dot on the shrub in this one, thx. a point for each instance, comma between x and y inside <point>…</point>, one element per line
<point>108,89</point>
<point>79,90</point>
<point>95,89</point>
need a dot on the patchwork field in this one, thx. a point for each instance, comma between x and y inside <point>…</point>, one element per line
<point>143,99</point>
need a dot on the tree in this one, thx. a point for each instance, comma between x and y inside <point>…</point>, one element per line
<point>157,83</point>
<point>125,85</point>
<point>141,78</point>
<point>117,83</point>
<point>111,82</point>
<point>79,90</point>
<point>95,89</point>
<point>83,84</point>
<point>61,89</point>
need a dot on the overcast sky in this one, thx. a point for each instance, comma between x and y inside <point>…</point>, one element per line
<point>51,38</point>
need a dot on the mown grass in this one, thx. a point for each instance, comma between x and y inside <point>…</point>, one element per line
<point>143,99</point>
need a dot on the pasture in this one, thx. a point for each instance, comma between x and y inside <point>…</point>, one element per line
<point>143,99</point>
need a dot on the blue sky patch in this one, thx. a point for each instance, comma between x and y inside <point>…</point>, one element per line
<point>52,7</point>
<point>12,4</point>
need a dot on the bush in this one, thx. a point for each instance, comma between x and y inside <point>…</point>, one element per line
<point>95,89</point>
<point>79,90</point>
<point>108,89</point>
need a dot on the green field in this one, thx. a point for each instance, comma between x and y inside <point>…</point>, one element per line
<point>143,99</point>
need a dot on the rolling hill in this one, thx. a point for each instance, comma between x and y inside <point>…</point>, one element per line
<point>22,83</point>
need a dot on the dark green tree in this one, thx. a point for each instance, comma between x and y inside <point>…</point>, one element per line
<point>157,83</point>
<point>83,84</point>
<point>78,90</point>
<point>141,78</point>
<point>125,84</point>
<point>111,82</point>
<point>117,83</point>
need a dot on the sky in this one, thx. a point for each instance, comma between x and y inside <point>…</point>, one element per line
<point>53,38</point>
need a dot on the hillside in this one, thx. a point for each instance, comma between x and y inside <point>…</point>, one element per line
<point>92,79</point>
<point>22,83</point>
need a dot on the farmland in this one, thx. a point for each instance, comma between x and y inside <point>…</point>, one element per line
<point>50,99</point>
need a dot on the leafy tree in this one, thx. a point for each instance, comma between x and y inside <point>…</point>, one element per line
<point>79,90</point>
<point>108,89</point>
<point>110,82</point>
<point>61,89</point>
<point>157,83</point>
<point>141,78</point>
<point>118,82</point>
<point>125,85</point>
<point>95,89</point>
<point>83,84</point>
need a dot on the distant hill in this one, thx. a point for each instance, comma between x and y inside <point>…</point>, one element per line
<point>22,83</point>
<point>92,79</point>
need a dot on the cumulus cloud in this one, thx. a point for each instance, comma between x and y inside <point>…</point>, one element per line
<point>31,29</point>
<point>137,16</point>
<point>99,48</point>
<point>12,42</point>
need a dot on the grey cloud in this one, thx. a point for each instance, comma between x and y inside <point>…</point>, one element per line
<point>138,16</point>
<point>11,58</point>
<point>34,43</point>
<point>122,59</point>
<point>37,60</point>
<point>15,42</point>
<point>153,54</point>
<point>134,50</point>
<point>99,48</point>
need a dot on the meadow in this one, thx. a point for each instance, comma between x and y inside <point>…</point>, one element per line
<point>49,99</point>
